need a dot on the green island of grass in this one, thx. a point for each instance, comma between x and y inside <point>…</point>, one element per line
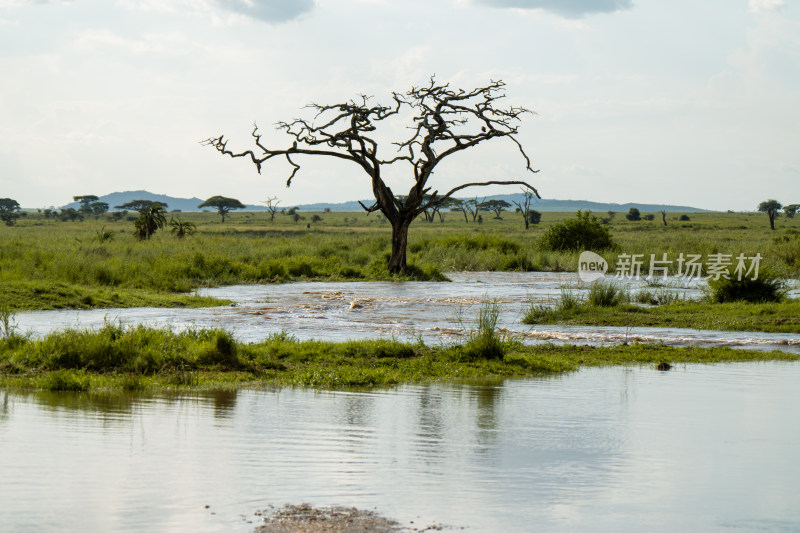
<point>142,358</point>
<point>782,317</point>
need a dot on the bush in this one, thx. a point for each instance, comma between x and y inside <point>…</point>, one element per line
<point>633,214</point>
<point>603,294</point>
<point>584,232</point>
<point>767,288</point>
<point>684,218</point>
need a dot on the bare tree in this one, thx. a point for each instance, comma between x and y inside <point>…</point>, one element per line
<point>445,121</point>
<point>474,206</point>
<point>272,206</point>
<point>524,206</point>
<point>663,217</point>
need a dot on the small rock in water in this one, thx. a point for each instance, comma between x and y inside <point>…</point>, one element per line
<point>663,366</point>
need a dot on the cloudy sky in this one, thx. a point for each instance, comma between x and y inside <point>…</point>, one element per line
<point>681,102</point>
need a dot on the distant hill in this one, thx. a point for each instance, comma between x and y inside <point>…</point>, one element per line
<point>539,205</point>
<point>190,204</point>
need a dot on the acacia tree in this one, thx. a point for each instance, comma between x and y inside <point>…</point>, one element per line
<point>85,201</point>
<point>771,208</point>
<point>223,205</point>
<point>498,206</point>
<point>142,206</point>
<point>9,211</point>
<point>444,122</point>
<point>791,209</point>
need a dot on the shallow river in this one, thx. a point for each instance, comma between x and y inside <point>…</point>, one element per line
<point>438,312</point>
<point>699,448</point>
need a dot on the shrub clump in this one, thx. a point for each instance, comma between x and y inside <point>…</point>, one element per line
<point>766,288</point>
<point>584,232</point>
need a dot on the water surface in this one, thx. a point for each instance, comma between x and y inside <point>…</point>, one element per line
<point>699,448</point>
<point>437,312</point>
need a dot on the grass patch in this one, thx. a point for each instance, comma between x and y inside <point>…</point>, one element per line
<point>137,359</point>
<point>738,316</point>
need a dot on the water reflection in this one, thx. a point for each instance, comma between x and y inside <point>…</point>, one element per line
<point>704,447</point>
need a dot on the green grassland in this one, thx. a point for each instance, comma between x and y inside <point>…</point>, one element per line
<point>141,358</point>
<point>47,264</point>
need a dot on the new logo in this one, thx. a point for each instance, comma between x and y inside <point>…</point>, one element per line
<point>591,266</point>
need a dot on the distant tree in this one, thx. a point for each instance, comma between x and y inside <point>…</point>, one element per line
<point>141,206</point>
<point>291,211</point>
<point>85,201</point>
<point>150,221</point>
<point>9,211</point>
<point>182,229</point>
<point>684,218</point>
<point>49,213</point>
<point>435,207</point>
<point>524,207</point>
<point>223,205</point>
<point>611,215</point>
<point>772,209</point>
<point>534,217</point>
<point>498,206</point>
<point>116,216</point>
<point>316,218</point>
<point>98,208</point>
<point>327,210</point>
<point>70,215</point>
<point>474,206</point>
<point>663,217</point>
<point>633,214</point>
<point>460,205</point>
<point>296,217</point>
<point>272,206</point>
<point>791,209</point>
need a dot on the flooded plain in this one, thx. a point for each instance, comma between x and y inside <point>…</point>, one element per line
<point>436,312</point>
<point>699,448</point>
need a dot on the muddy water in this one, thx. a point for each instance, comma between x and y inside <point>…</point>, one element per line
<point>437,312</point>
<point>699,448</point>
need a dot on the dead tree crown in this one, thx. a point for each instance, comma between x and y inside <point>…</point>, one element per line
<point>445,121</point>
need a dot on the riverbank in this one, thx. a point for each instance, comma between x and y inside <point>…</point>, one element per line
<point>783,317</point>
<point>141,358</point>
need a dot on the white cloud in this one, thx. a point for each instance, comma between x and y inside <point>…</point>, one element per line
<point>566,8</point>
<point>269,10</point>
<point>274,11</point>
<point>760,6</point>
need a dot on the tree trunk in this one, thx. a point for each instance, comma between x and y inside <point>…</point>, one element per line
<point>397,261</point>
<point>771,221</point>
